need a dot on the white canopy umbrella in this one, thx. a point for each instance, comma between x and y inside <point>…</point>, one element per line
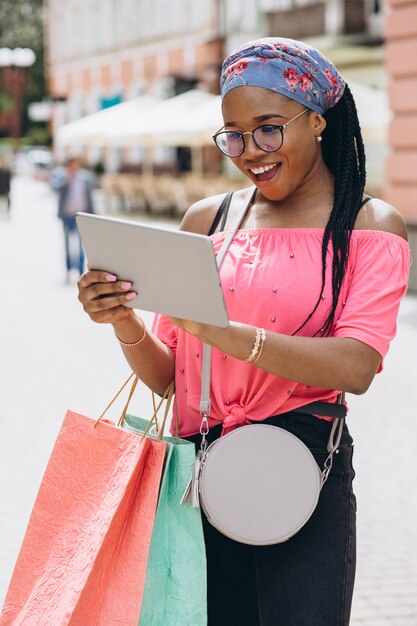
<point>193,127</point>
<point>90,130</point>
<point>187,119</point>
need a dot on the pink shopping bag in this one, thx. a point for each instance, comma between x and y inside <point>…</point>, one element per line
<point>84,555</point>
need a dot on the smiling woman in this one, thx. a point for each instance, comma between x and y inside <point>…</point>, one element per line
<point>312,280</point>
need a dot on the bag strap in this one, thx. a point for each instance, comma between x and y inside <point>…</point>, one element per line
<point>205,403</point>
<point>222,211</point>
<point>335,410</point>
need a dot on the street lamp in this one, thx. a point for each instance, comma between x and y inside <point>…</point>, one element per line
<point>14,65</point>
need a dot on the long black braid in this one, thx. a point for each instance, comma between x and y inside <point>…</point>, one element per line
<point>344,155</point>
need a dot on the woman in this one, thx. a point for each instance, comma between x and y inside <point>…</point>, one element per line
<point>318,265</point>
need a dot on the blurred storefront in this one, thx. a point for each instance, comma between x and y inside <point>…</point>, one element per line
<point>101,52</point>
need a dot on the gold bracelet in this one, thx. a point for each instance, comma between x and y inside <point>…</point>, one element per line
<point>261,347</point>
<point>260,338</point>
<point>134,343</point>
<point>255,346</point>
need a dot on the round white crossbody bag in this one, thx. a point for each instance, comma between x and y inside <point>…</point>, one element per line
<point>258,484</point>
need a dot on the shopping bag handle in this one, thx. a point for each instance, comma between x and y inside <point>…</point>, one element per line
<point>168,395</point>
<point>114,399</point>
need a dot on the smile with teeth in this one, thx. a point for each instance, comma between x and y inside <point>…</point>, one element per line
<point>262,170</point>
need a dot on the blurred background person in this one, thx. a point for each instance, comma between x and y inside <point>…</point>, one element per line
<point>5,178</point>
<point>74,186</point>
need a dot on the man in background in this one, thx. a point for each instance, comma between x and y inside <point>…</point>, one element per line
<point>74,186</point>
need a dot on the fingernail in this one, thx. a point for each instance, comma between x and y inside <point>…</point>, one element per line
<point>111,278</point>
<point>126,285</point>
<point>131,295</point>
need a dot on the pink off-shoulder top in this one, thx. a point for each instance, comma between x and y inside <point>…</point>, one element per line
<point>271,278</point>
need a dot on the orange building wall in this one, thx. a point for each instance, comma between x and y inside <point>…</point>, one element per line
<point>127,71</point>
<point>401,63</point>
<point>175,61</point>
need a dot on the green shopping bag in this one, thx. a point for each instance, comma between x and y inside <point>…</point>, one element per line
<point>176,585</point>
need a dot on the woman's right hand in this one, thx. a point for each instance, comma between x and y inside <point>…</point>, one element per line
<point>103,297</point>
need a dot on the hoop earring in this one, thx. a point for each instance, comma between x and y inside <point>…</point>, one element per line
<point>319,139</point>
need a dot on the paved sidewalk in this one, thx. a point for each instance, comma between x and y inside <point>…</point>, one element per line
<point>384,426</point>
<point>53,358</point>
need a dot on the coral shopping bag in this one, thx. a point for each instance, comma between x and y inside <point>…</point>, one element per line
<point>84,555</point>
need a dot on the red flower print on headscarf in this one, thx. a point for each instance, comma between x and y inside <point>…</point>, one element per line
<point>335,85</point>
<point>328,74</point>
<point>305,82</point>
<point>280,46</point>
<point>291,77</point>
<point>334,90</point>
<point>238,67</point>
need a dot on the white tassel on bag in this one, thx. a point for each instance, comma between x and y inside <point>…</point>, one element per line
<point>191,494</point>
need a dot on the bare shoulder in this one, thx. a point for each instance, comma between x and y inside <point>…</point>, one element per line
<point>199,217</point>
<point>377,214</point>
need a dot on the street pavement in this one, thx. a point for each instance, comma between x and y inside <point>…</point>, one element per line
<point>52,357</point>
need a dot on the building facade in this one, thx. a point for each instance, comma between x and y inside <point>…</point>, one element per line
<point>401,33</point>
<point>104,51</point>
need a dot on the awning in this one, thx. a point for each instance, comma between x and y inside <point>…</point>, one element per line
<point>90,130</point>
<point>189,119</point>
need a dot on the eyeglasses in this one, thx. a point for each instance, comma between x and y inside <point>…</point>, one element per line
<point>268,137</point>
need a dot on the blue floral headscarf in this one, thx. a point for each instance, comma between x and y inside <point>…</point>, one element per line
<point>289,67</point>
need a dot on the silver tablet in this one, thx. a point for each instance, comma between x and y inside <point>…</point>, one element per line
<point>173,272</point>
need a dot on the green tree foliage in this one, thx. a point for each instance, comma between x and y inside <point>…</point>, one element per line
<point>21,26</point>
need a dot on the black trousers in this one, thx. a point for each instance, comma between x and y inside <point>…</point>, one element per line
<point>305,581</point>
